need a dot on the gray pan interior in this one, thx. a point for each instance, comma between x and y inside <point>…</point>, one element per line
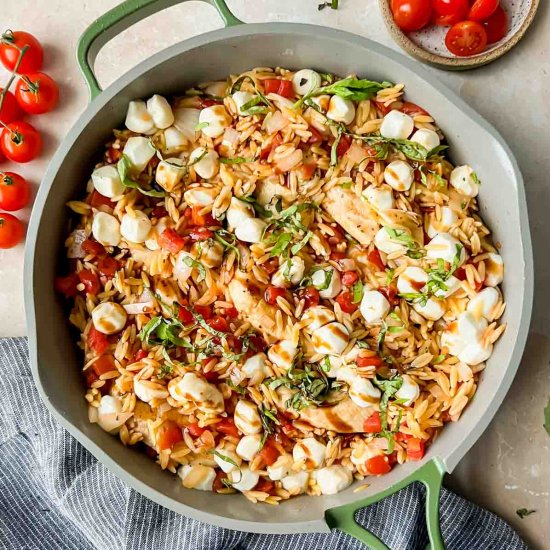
<point>54,357</point>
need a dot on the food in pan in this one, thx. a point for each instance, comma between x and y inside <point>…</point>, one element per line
<point>280,283</point>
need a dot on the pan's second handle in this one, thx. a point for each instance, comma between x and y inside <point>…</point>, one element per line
<point>119,19</point>
<point>430,474</point>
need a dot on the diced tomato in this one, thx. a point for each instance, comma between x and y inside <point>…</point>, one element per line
<point>67,285</point>
<point>275,142</point>
<point>378,465</point>
<point>89,246</point>
<point>218,484</point>
<point>97,199</point>
<point>171,240</point>
<point>392,458</point>
<point>219,323</point>
<point>205,311</point>
<point>316,136</point>
<point>343,145</point>
<point>227,426</point>
<point>264,485</point>
<point>271,266</point>
<point>412,109</point>
<point>283,439</point>
<point>374,258</point>
<point>196,218</point>
<point>269,453</point>
<point>97,341</point>
<point>104,364</point>
<point>108,266</point>
<point>307,170</point>
<point>234,343</point>
<point>349,278</point>
<point>90,281</point>
<point>200,234</point>
<point>311,296</point>
<point>272,293</point>
<point>384,109</point>
<point>390,292</point>
<point>278,86</point>
<point>113,155</point>
<point>336,255</point>
<point>257,343</point>
<point>159,212</point>
<point>185,316</point>
<point>139,355</point>
<point>416,448</point>
<point>338,236</point>
<point>231,312</point>
<point>373,424</point>
<point>195,430</point>
<point>90,376</point>
<point>212,376</point>
<point>168,435</point>
<point>400,437</point>
<point>370,361</point>
<point>205,102</point>
<point>345,299</point>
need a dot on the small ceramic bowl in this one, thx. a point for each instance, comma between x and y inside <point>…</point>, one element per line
<point>428,44</point>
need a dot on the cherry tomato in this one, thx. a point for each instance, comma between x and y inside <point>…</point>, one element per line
<point>108,266</point>
<point>496,26</point>
<point>11,231</point>
<point>20,142</point>
<point>374,258</point>
<point>373,424</point>
<point>9,52</point>
<point>104,364</point>
<point>14,191</point>
<point>97,341</point>
<point>140,354</point>
<point>205,102</point>
<point>195,430</point>
<point>168,435</point>
<point>275,142</point>
<point>345,299</point>
<point>205,311</point>
<point>272,293</point>
<point>311,297</point>
<point>482,9</point>
<point>171,240</point>
<point>412,109</point>
<point>306,170</point>
<point>211,376</point>
<point>390,292</point>
<point>343,145</point>
<point>316,136</point>
<point>411,15</point>
<point>338,236</point>
<point>231,312</point>
<point>37,93</point>
<point>449,12</point>
<point>218,323</point>
<point>201,219</point>
<point>91,247</point>
<point>218,484</point>
<point>416,448</point>
<point>401,437</point>
<point>466,38</point>
<point>378,465</point>
<point>96,200</point>
<point>185,316</point>
<point>256,343</point>
<point>10,110</point>
<point>200,234</point>
<point>349,278</point>
<point>269,453</point>
<point>90,281</point>
<point>227,426</point>
<point>370,361</point>
<point>336,255</point>
<point>278,86</point>
<point>264,485</point>
<point>67,285</point>
<point>158,211</point>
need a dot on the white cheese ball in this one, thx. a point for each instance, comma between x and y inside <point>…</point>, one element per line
<point>138,118</point>
<point>409,390</point>
<point>109,414</point>
<point>146,390</point>
<point>385,243</point>
<point>174,139</point>
<point>322,102</point>
<point>296,484</point>
<point>249,446</point>
<point>309,452</point>
<point>183,267</point>
<point>444,246</point>
<point>196,389</point>
<point>217,88</point>
<point>318,280</point>
<point>109,317</point>
<point>244,479</point>
<point>208,165</point>
<point>186,120</point>
<point>250,230</point>
<point>139,152</point>
<point>247,418</point>
<point>242,98</point>
<point>341,110</point>
<point>412,280</point>
<point>494,269</point>
<point>453,285</point>
<point>282,354</point>
<point>317,316</point>
<point>160,111</point>
<point>471,328</point>
<point>476,353</point>
<point>106,229</point>
<point>209,253</point>
<point>305,81</point>
<point>374,306</point>
<point>330,339</point>
<point>483,304</point>
<point>333,479</point>
<point>448,219</point>
<point>290,273</point>
<point>238,212</point>
<point>399,175</point>
<point>280,467</point>
<point>463,180</point>
<point>255,368</point>
<point>197,477</point>
<point>396,125</point>
<point>433,310</point>
<point>227,460</point>
<point>363,393</point>
<point>135,226</point>
<point>217,119</point>
<point>427,138</point>
<point>200,196</point>
<point>169,173</point>
<point>451,340</point>
<point>380,198</point>
<point>107,181</point>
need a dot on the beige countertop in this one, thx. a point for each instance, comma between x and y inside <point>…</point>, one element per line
<point>509,467</point>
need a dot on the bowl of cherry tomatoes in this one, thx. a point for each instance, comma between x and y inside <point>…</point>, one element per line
<point>458,34</point>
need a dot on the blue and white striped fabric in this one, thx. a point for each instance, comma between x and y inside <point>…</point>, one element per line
<point>54,495</point>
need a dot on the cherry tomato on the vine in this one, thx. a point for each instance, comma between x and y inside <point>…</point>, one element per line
<point>482,9</point>
<point>11,44</point>
<point>449,12</point>
<point>496,26</point>
<point>10,109</point>
<point>14,191</point>
<point>11,231</point>
<point>20,142</point>
<point>37,93</point>
<point>411,15</point>
<point>466,38</point>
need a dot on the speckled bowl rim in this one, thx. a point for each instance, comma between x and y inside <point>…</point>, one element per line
<point>453,63</point>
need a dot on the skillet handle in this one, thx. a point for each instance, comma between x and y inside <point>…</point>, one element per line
<point>119,19</point>
<point>430,474</point>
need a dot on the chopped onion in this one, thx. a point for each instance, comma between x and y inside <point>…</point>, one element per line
<point>78,236</point>
<point>275,122</point>
<point>290,161</point>
<point>356,153</point>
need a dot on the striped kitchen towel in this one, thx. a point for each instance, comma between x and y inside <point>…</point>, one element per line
<point>54,495</point>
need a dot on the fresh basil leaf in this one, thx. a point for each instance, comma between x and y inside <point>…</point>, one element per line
<point>235,160</point>
<point>411,149</point>
<point>124,166</point>
<point>298,246</point>
<point>476,178</point>
<point>282,243</point>
<point>239,82</point>
<point>354,89</point>
<point>146,332</point>
<point>357,291</point>
<point>334,147</point>
<point>436,150</point>
<point>195,264</point>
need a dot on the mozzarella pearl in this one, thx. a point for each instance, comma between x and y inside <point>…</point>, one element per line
<point>290,273</point>
<point>250,230</point>
<point>448,219</point>
<point>317,316</point>
<point>217,88</point>
<point>341,110</point>
<point>305,81</point>
<point>318,280</point>
<point>255,368</point>
<point>330,339</point>
<point>174,139</point>
<point>396,125</point>
<point>152,241</point>
<point>451,340</point>
<point>476,353</point>
<point>309,452</point>
<point>494,269</point>
<point>240,99</point>
<point>380,198</point>
<point>427,138</point>
<point>471,328</point>
<point>160,111</point>
<point>107,181</point>
<point>169,173</point>
<point>196,389</point>
<point>166,292</point>
<point>453,285</point>
<point>363,393</point>
<point>322,101</point>
<point>409,390</point>
<point>221,456</point>
<point>109,317</point>
<point>208,165</point>
<point>483,304</point>
<point>146,390</point>
<point>333,479</point>
<point>238,212</point>
<point>463,181</point>
<point>244,479</point>
<point>282,354</point>
<point>247,417</point>
<point>399,175</point>
<point>182,269</point>
<point>135,226</point>
<point>444,246</point>
<point>412,280</point>
<point>109,413</point>
<point>138,118</point>
<point>200,196</point>
<point>139,152</point>
<point>280,467</point>
<point>374,306</point>
<point>217,118</point>
<point>186,120</point>
<point>433,310</point>
<point>296,484</point>
<point>385,243</point>
<point>249,446</point>
<point>209,253</point>
<point>197,477</point>
<point>106,229</point>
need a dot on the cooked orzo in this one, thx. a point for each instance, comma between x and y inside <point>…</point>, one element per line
<point>281,283</point>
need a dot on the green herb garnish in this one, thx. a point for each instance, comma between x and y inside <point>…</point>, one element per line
<point>124,167</point>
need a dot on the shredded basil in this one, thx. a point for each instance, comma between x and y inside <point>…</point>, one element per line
<point>239,82</point>
<point>235,160</point>
<point>195,264</point>
<point>124,166</point>
<point>404,237</point>
<point>201,125</point>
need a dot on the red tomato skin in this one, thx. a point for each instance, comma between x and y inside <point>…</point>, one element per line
<point>275,142</point>
<point>374,258</point>
<point>373,424</point>
<point>96,200</point>
<point>349,278</point>
<point>370,361</point>
<point>10,109</point>
<point>272,293</point>
<point>279,86</point>
<point>104,364</point>
<point>219,323</point>
<point>168,435</point>
<point>343,145</point>
<point>466,38</point>
<point>94,248</point>
<point>14,191</point>
<point>231,312</point>
<point>378,465</point>
<point>200,234</point>
<point>496,26</point>
<point>316,136</point>
<point>205,311</point>
<point>345,299</point>
<point>108,266</point>
<point>140,354</point>
<point>482,9</point>
<point>311,296</point>
<point>264,485</point>
<point>416,448</point>
<point>449,12</point>
<point>227,426</point>
<point>97,341</point>
<point>269,453</point>
<point>171,240</point>
<point>20,142</point>
<point>195,430</point>
<point>37,101</point>
<point>412,109</point>
<point>185,316</point>
<point>11,230</point>
<point>67,285</point>
<point>390,292</point>
<point>411,15</point>
<point>9,54</point>
<point>90,281</point>
<point>199,219</point>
